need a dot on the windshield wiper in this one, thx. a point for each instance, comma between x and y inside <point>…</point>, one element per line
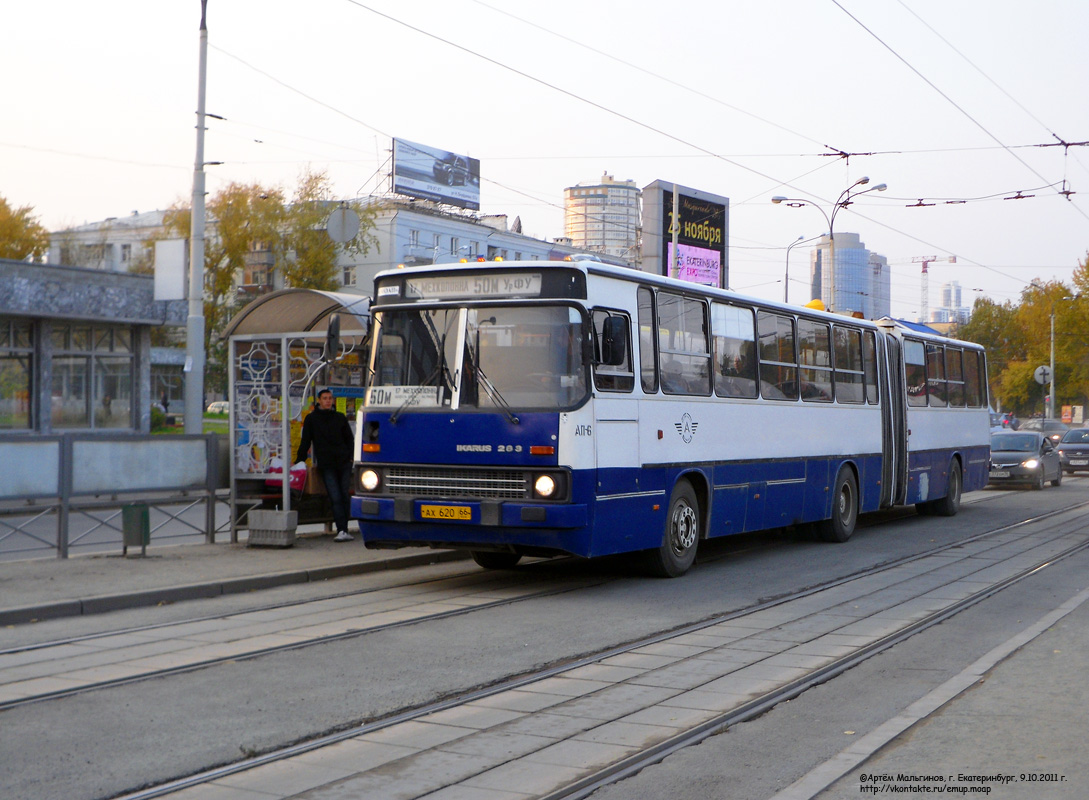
<point>444,372</point>
<point>441,372</point>
<point>490,388</point>
<point>411,399</point>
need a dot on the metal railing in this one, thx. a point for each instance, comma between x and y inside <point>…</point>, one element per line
<point>63,491</point>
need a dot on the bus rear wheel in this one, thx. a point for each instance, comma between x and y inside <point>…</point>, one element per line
<point>492,560</point>
<point>844,508</point>
<point>681,537</point>
<point>949,505</point>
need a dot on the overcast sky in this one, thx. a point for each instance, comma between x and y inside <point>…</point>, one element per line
<point>943,101</point>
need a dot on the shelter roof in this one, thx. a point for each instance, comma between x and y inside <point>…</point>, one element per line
<point>292,310</point>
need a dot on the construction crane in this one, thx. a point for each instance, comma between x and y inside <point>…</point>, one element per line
<point>924,298</point>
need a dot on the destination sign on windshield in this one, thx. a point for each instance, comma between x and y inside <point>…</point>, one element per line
<point>419,396</point>
<point>453,287</point>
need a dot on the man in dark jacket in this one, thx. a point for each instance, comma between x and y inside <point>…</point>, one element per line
<point>327,430</point>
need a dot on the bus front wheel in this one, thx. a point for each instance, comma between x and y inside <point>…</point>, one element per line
<point>681,537</point>
<point>844,509</point>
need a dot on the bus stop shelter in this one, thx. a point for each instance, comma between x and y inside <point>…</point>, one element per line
<point>278,360</point>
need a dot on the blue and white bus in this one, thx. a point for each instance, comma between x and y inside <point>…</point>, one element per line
<point>538,408</point>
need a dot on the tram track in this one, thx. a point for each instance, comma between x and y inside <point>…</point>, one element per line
<point>476,580</point>
<point>479,584</point>
<point>865,521</point>
<point>1048,536</point>
<point>86,637</point>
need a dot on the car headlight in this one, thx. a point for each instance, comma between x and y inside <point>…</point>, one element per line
<point>544,486</point>
<point>368,479</point>
<point>1032,463</point>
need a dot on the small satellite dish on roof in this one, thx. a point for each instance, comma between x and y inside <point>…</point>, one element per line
<point>343,224</point>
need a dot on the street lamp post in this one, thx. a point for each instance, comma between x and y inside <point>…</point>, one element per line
<point>1051,389</point>
<point>786,275</point>
<point>845,198</point>
<point>1049,410</point>
<point>195,358</point>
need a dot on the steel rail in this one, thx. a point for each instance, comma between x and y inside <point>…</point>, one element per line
<point>635,763</point>
<point>282,648</point>
<point>754,708</point>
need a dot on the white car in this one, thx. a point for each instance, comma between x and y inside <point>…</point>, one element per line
<point>218,407</point>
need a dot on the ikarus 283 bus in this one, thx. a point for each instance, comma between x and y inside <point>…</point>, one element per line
<point>534,408</point>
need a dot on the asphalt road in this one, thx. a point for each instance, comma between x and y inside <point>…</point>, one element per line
<point>108,741</point>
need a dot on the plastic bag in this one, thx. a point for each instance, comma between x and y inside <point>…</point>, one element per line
<point>296,476</point>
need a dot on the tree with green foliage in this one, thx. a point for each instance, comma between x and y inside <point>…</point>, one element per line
<point>22,237</point>
<point>1018,340</point>
<point>242,218</point>
<point>311,256</point>
<point>254,226</point>
<point>996,328</point>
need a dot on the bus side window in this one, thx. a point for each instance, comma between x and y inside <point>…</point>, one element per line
<point>849,369</point>
<point>954,372</point>
<point>778,362</point>
<point>935,375</point>
<point>648,358</point>
<point>683,346</point>
<point>973,382</point>
<point>815,360</point>
<point>915,372</point>
<point>869,364</point>
<point>734,337</point>
<point>612,352</point>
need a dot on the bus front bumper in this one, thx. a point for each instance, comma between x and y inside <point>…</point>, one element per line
<point>469,512</point>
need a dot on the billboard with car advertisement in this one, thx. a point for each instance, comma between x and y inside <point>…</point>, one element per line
<point>438,175</point>
<point>702,228</point>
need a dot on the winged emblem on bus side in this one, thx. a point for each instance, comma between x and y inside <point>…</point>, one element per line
<point>686,427</point>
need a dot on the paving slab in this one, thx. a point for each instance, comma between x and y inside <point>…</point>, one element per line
<point>49,588</point>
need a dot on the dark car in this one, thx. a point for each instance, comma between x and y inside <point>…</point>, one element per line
<point>1052,427</point>
<point>451,170</point>
<point>1074,450</point>
<point>1024,457</point>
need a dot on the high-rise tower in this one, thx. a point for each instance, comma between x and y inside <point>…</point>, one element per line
<point>604,217</point>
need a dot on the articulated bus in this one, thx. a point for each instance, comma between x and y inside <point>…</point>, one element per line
<point>535,409</point>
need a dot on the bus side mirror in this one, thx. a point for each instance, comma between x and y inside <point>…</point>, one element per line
<point>332,338</point>
<point>614,341</point>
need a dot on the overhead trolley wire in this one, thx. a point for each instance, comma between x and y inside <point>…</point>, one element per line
<point>949,99</point>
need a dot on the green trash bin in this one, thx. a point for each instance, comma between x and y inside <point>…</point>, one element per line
<point>135,527</point>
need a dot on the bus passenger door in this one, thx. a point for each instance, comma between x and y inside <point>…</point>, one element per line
<point>894,424</point>
<point>616,434</point>
<point>616,409</point>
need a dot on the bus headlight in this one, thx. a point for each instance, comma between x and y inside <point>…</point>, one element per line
<point>368,479</point>
<point>544,486</point>
<point>1032,463</point>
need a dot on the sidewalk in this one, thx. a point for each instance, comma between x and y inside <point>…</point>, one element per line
<point>48,588</point>
<point>1011,725</point>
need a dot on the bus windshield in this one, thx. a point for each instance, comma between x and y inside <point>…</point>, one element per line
<point>511,357</point>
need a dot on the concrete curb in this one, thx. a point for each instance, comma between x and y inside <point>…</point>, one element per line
<point>99,604</point>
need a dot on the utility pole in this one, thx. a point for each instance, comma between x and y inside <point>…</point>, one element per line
<point>194,350</point>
